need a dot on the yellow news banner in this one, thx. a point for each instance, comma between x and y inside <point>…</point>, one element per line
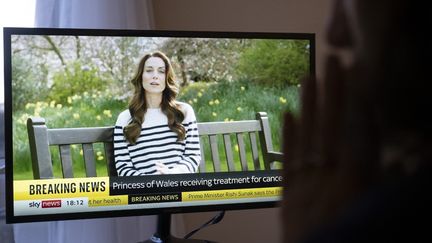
<point>99,189</point>
<point>232,194</point>
<point>61,188</point>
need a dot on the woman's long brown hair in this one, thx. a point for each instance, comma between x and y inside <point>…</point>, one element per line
<point>138,103</point>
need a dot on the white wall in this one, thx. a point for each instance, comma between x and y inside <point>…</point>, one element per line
<point>309,16</point>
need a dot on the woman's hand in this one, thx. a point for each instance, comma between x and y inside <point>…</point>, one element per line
<point>161,168</point>
<point>320,168</point>
<point>178,169</point>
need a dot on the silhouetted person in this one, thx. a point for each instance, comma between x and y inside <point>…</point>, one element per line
<point>358,159</point>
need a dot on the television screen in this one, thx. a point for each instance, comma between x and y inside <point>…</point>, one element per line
<point>105,123</point>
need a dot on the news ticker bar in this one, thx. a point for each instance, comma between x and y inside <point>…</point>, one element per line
<point>206,195</point>
<point>143,185</point>
<point>125,202</point>
<point>158,198</point>
<point>185,196</point>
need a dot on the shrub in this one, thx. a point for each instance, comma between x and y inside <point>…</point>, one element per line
<point>75,80</point>
<point>268,62</point>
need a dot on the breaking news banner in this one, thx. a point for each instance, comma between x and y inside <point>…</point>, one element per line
<point>99,193</point>
<point>193,182</point>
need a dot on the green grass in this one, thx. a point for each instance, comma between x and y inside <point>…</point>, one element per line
<point>223,101</point>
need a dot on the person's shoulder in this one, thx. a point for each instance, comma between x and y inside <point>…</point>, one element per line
<point>184,107</point>
<point>123,118</point>
<point>187,110</point>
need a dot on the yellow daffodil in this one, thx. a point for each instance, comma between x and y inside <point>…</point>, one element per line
<point>107,113</point>
<point>29,105</point>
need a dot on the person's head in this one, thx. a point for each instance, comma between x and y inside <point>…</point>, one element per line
<point>372,110</point>
<point>389,68</point>
<point>154,76</point>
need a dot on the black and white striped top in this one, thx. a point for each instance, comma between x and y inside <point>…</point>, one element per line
<point>157,143</point>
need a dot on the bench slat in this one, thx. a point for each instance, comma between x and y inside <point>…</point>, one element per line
<point>202,165</point>
<point>89,160</point>
<point>211,128</point>
<point>242,151</point>
<point>60,136</point>
<point>66,161</point>
<point>228,152</point>
<point>255,155</point>
<point>215,153</point>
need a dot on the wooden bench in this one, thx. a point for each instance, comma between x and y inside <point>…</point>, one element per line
<point>41,138</point>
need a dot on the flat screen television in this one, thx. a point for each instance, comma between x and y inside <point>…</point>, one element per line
<point>62,86</point>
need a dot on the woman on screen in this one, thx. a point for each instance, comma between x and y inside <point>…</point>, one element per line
<point>157,134</point>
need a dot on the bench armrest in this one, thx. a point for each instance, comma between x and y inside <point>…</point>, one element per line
<point>275,156</point>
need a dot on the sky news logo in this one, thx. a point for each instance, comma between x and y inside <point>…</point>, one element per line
<point>51,204</point>
<point>46,204</point>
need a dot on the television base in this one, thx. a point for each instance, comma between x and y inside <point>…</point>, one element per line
<point>172,239</point>
<point>163,233</point>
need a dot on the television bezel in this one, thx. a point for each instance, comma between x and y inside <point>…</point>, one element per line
<point>8,32</point>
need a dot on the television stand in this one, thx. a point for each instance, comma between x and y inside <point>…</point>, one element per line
<point>163,232</point>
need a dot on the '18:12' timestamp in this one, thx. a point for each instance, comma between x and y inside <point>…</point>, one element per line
<point>75,202</point>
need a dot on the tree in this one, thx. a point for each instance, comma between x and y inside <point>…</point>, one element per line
<point>204,59</point>
<point>23,75</point>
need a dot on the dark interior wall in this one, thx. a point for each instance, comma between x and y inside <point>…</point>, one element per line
<point>309,16</point>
